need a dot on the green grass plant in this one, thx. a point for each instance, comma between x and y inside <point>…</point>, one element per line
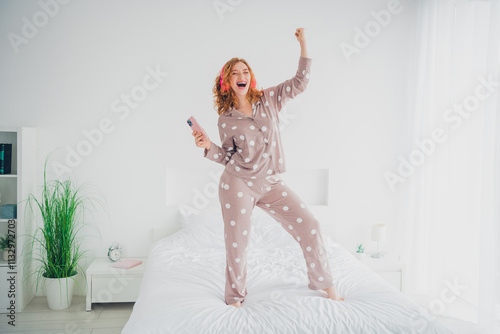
<point>56,244</point>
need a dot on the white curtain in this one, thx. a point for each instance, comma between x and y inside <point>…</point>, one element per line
<point>452,228</point>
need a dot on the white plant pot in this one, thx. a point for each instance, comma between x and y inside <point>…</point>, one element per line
<point>360,256</point>
<point>5,254</point>
<point>59,292</point>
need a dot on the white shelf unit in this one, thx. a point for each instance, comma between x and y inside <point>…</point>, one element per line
<point>14,189</point>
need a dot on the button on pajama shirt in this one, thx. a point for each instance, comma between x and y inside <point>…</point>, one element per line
<point>253,155</point>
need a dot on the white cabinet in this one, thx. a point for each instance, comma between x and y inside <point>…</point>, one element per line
<point>106,284</point>
<point>14,189</point>
<point>390,268</point>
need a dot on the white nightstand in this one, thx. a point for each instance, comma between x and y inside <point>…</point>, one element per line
<point>390,268</point>
<point>106,284</point>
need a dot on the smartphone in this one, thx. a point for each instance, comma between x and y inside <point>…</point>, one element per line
<point>196,127</point>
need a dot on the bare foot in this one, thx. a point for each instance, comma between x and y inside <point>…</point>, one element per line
<point>237,304</point>
<point>332,294</point>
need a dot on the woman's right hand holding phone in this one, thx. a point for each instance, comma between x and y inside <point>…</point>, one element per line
<point>198,137</point>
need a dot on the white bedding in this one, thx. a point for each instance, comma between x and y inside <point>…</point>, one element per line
<point>183,289</point>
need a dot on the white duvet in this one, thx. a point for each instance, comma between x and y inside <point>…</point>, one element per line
<point>183,289</point>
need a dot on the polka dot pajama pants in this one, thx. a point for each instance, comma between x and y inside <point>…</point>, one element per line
<point>238,196</point>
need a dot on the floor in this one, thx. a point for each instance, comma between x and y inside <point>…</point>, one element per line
<point>110,318</point>
<point>38,318</point>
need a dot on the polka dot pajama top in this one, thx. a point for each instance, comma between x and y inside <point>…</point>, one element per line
<point>253,155</point>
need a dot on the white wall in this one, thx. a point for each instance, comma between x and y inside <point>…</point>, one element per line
<point>352,118</point>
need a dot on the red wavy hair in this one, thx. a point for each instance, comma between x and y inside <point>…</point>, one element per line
<point>224,100</point>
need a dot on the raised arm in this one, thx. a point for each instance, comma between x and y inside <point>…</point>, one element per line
<point>287,90</point>
<point>301,37</point>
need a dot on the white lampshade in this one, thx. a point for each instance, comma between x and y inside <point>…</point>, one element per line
<point>378,232</point>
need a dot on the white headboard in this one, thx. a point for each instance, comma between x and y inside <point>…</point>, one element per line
<point>196,190</point>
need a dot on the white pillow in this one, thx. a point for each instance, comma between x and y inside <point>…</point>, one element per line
<point>208,230</point>
<point>268,233</point>
<point>204,229</point>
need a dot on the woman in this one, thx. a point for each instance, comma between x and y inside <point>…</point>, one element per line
<point>252,152</point>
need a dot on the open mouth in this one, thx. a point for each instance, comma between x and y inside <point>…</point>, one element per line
<point>241,84</point>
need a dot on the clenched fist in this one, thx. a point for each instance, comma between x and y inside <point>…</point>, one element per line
<point>300,34</point>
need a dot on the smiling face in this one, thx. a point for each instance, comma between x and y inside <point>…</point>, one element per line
<point>240,78</point>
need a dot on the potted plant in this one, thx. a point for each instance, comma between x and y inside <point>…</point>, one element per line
<point>5,245</point>
<point>56,243</point>
<point>360,253</point>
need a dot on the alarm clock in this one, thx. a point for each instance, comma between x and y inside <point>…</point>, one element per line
<point>114,252</point>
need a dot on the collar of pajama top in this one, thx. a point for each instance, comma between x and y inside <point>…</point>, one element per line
<point>251,145</point>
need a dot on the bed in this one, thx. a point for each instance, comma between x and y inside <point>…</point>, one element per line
<point>182,290</point>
